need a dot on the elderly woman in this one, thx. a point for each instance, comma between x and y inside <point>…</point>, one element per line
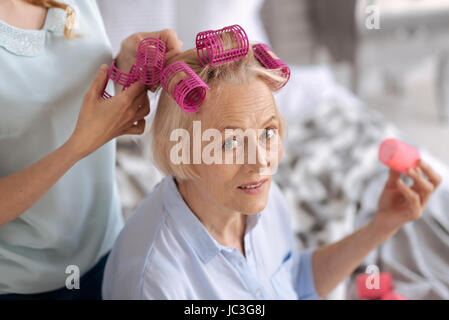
<point>214,230</point>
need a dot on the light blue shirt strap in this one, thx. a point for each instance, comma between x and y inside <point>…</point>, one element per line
<point>165,252</point>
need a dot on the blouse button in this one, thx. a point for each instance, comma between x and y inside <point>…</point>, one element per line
<point>259,293</point>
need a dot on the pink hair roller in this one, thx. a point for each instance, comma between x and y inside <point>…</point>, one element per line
<point>392,296</point>
<point>190,91</point>
<point>148,67</point>
<point>150,60</point>
<point>119,77</point>
<point>269,60</point>
<point>398,155</point>
<point>364,292</point>
<point>209,46</point>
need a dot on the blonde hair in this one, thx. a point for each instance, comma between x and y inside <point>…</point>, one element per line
<point>169,116</point>
<point>70,14</point>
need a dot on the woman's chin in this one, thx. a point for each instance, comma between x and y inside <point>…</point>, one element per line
<point>254,209</point>
<point>253,204</point>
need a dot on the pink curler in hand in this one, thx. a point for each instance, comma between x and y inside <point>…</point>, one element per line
<point>369,290</point>
<point>148,67</point>
<point>150,60</point>
<point>209,46</point>
<point>122,78</point>
<point>366,287</point>
<point>270,60</point>
<point>190,90</point>
<point>398,155</point>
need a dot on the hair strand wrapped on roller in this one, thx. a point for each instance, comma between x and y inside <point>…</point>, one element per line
<point>269,60</point>
<point>189,92</point>
<point>210,50</point>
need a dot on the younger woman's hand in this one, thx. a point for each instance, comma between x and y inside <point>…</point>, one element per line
<point>399,203</point>
<point>128,50</point>
<point>101,120</point>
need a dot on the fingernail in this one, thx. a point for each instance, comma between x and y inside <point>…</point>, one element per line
<point>411,171</point>
<point>103,68</point>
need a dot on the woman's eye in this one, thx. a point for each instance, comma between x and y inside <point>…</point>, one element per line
<point>268,133</point>
<point>230,143</point>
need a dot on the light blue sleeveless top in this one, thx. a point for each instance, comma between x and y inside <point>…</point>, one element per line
<point>43,77</point>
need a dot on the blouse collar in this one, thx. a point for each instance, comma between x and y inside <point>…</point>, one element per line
<point>30,43</point>
<point>190,226</point>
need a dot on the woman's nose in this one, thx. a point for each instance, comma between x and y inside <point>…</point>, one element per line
<point>264,159</point>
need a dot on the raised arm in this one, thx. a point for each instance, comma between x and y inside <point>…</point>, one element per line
<point>99,121</point>
<point>398,204</point>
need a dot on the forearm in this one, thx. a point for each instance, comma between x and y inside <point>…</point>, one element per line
<point>20,191</point>
<point>334,262</point>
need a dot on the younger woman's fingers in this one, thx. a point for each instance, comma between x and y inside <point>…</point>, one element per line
<point>154,87</point>
<point>408,193</point>
<point>99,81</point>
<point>133,91</point>
<point>172,44</point>
<point>434,177</point>
<point>142,112</point>
<point>137,128</point>
<point>138,100</point>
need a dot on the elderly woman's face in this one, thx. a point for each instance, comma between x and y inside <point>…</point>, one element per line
<point>238,186</point>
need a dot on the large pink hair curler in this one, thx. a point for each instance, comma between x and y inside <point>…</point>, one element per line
<point>209,46</point>
<point>148,67</point>
<point>398,155</point>
<point>269,60</point>
<point>150,60</point>
<point>190,91</point>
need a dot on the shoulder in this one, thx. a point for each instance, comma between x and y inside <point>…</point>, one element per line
<point>127,260</point>
<point>165,275</point>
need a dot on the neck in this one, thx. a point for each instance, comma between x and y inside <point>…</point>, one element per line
<point>22,14</point>
<point>226,226</point>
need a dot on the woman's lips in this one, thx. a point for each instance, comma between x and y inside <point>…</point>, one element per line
<point>254,187</point>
